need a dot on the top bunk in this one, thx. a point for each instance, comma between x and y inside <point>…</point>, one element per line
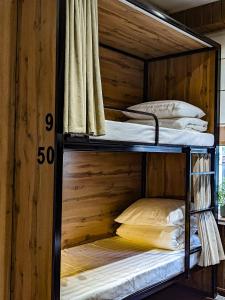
<point>135,27</point>
<point>145,56</point>
<point>137,137</point>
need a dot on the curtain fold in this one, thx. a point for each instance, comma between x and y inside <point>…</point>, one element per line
<point>212,250</point>
<point>83,100</point>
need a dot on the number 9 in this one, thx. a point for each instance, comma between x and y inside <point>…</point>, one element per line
<point>49,122</point>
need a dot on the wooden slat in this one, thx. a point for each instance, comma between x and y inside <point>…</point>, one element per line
<point>122,79</point>
<point>204,18</point>
<point>113,115</point>
<point>166,175</point>
<point>96,188</point>
<point>8,29</point>
<point>34,183</point>
<point>189,78</point>
<point>222,135</point>
<point>221,269</point>
<point>126,28</point>
<point>200,280</point>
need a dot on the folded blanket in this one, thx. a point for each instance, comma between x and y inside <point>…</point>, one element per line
<point>176,123</point>
<point>165,237</point>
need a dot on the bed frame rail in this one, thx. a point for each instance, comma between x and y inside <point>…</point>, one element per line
<point>156,140</point>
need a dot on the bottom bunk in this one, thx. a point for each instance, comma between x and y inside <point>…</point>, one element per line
<point>146,201</point>
<point>115,268</point>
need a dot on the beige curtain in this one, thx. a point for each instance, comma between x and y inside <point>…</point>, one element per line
<point>83,108</point>
<point>212,250</point>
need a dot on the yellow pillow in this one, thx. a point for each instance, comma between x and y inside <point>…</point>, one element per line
<point>154,211</point>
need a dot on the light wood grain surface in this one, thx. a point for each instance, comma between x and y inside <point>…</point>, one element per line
<point>8,29</point>
<point>122,79</point>
<point>33,210</point>
<point>128,29</point>
<point>189,78</point>
<point>96,188</point>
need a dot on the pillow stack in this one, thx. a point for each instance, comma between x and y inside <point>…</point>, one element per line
<point>157,223</point>
<point>171,114</point>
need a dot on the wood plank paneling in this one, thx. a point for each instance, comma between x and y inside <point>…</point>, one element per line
<point>190,78</point>
<point>96,188</point>
<point>124,27</point>
<point>8,30</point>
<point>204,18</point>
<point>200,279</point>
<point>222,135</point>
<point>221,269</point>
<point>113,115</point>
<point>122,79</point>
<point>34,183</point>
<point>166,175</point>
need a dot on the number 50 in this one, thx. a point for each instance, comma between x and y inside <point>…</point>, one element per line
<point>46,154</point>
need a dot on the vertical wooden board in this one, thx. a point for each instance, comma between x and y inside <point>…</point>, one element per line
<point>203,19</point>
<point>221,268</point>
<point>200,279</point>
<point>34,183</point>
<point>166,175</point>
<point>8,29</point>
<point>222,135</point>
<point>97,187</point>
<point>122,79</point>
<point>188,78</point>
<point>158,80</point>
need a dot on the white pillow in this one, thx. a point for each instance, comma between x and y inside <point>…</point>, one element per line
<point>154,211</point>
<point>164,109</point>
<point>172,238</point>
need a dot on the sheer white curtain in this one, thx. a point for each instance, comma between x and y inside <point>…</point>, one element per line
<point>83,100</point>
<point>212,250</point>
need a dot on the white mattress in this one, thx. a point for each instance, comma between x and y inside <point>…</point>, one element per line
<point>130,132</point>
<point>120,269</point>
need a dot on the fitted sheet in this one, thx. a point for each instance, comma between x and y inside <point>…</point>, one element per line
<point>115,268</point>
<point>130,132</point>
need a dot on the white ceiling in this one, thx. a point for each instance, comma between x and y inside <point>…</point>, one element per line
<point>172,6</point>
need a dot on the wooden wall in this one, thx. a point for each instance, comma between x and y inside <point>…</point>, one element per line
<point>222,135</point>
<point>190,78</point>
<point>166,175</point>
<point>33,209</point>
<point>204,18</point>
<point>96,188</point>
<point>221,269</point>
<point>122,78</point>
<point>122,81</point>
<point>8,29</point>
<point>103,187</point>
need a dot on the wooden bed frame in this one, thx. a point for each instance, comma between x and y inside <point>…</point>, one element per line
<point>169,62</point>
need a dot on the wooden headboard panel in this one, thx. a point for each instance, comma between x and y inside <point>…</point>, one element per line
<point>166,175</point>
<point>190,78</point>
<point>122,81</point>
<point>96,188</point>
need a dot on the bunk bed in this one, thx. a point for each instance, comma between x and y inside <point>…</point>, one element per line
<point>163,62</point>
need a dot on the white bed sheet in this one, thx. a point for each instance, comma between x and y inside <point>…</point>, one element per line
<point>123,269</point>
<point>129,132</point>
